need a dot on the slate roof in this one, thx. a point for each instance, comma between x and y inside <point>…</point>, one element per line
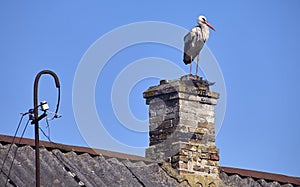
<point>65,165</point>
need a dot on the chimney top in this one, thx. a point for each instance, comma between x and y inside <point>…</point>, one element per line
<point>189,84</point>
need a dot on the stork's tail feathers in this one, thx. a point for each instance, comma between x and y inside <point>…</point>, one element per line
<point>187,59</point>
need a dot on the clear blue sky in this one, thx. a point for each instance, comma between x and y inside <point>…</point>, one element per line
<point>256,46</point>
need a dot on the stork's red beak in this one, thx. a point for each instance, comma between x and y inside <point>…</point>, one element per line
<point>210,26</point>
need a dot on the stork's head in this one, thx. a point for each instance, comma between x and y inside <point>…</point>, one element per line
<point>202,21</point>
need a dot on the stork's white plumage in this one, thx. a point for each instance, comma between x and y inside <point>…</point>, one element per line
<point>194,41</point>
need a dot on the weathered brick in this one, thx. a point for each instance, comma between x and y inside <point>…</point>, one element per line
<point>203,124</point>
<point>181,117</point>
<point>215,157</point>
<point>204,156</point>
<point>178,158</point>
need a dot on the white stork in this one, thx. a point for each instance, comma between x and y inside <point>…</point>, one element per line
<point>194,41</point>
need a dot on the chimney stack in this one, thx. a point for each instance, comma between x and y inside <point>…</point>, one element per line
<point>181,122</point>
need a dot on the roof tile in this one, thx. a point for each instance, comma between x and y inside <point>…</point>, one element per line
<point>63,165</point>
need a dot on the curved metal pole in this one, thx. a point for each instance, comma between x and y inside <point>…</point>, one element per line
<point>36,120</point>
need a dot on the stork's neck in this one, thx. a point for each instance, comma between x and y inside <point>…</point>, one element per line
<point>205,31</point>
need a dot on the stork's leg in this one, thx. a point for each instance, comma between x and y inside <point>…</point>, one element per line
<point>198,59</point>
<point>191,65</point>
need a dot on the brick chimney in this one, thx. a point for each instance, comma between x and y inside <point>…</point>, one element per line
<point>181,122</point>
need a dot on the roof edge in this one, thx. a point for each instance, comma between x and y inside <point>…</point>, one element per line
<point>261,175</point>
<point>66,148</point>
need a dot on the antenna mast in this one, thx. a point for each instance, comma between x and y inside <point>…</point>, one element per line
<point>37,118</point>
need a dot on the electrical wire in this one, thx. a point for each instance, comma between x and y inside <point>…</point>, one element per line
<point>48,127</point>
<point>16,132</point>
<point>58,100</point>
<point>15,154</point>
<point>48,137</point>
<point>10,146</point>
<point>56,115</point>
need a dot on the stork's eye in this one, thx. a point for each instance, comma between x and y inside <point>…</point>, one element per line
<point>203,19</point>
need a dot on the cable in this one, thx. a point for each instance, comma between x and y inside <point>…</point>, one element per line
<point>46,135</point>
<point>20,121</point>
<point>58,100</point>
<point>48,127</point>
<point>56,115</point>
<point>13,141</point>
<point>15,154</point>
